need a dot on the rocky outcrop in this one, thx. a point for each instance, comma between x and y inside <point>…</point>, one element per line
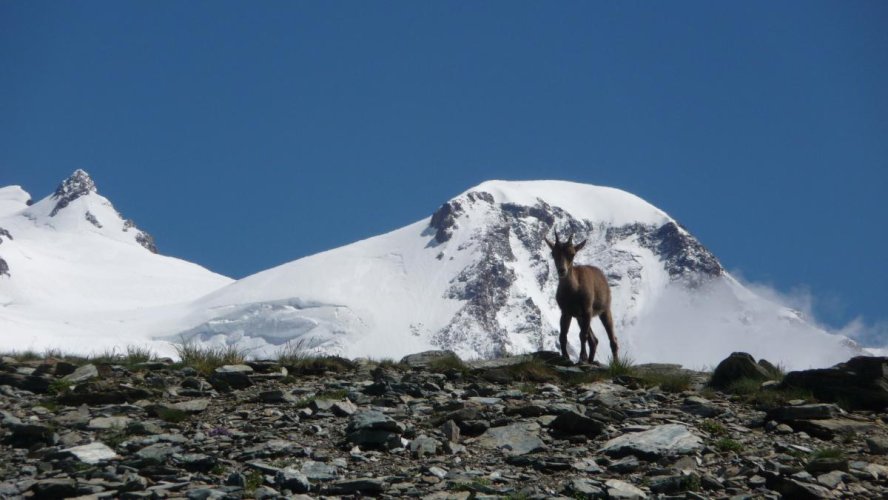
<point>77,185</point>
<point>859,383</point>
<point>4,267</point>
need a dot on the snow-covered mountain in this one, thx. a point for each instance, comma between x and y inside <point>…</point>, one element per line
<point>475,277</point>
<point>73,270</point>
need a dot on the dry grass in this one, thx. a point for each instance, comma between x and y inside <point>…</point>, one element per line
<point>205,359</point>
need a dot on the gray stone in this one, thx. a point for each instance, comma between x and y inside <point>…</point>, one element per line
<point>319,471</point>
<point>696,405</point>
<point>424,359</point>
<point>343,408</point>
<point>157,453</point>
<point>293,480</point>
<point>451,431</point>
<point>105,423</point>
<point>92,453</point>
<point>804,412</point>
<point>195,462</point>
<point>832,479</point>
<point>573,423</point>
<point>514,439</point>
<point>660,441</point>
<point>191,406</point>
<point>584,488</point>
<point>829,428</point>
<point>362,486</point>
<point>373,420</point>
<point>423,446</point>
<point>82,374</point>
<point>622,490</point>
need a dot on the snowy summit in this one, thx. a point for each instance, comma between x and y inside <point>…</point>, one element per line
<point>475,277</point>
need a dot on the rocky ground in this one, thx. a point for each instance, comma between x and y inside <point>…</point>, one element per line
<point>429,426</point>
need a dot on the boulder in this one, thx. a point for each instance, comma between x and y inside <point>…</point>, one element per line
<point>424,359</point>
<point>738,366</point>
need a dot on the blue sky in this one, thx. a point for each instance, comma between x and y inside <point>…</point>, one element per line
<point>246,134</point>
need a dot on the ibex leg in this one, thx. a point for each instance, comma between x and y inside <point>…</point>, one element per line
<point>608,321</point>
<point>565,326</point>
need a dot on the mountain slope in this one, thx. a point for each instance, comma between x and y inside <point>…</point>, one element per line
<point>74,268</point>
<point>477,278</point>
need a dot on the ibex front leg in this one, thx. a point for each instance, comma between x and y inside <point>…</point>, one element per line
<point>565,326</point>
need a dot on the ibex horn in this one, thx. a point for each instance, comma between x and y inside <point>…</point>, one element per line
<point>570,240</point>
<point>556,236</point>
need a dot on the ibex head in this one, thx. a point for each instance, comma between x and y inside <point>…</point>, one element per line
<point>564,253</point>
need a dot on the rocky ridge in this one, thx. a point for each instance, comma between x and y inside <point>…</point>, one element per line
<point>430,426</point>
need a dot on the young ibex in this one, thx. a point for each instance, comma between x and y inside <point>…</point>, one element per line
<point>583,293</point>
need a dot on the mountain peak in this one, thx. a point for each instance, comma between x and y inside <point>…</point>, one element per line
<point>77,185</point>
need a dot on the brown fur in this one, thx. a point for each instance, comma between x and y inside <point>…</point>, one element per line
<point>583,293</point>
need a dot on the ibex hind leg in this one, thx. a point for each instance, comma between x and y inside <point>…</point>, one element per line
<point>608,321</point>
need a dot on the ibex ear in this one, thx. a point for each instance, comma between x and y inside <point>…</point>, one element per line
<point>580,245</point>
<point>551,245</point>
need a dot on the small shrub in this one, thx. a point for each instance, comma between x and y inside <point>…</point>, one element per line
<point>253,480</point>
<point>59,386</point>
<point>728,444</point>
<point>713,427</point>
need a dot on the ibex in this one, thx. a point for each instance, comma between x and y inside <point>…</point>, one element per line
<point>583,293</point>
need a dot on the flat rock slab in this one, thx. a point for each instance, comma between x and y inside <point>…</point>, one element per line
<point>82,374</point>
<point>191,406</point>
<point>424,359</point>
<point>105,423</point>
<point>514,439</point>
<point>623,490</point>
<point>92,453</point>
<point>829,428</point>
<point>661,441</point>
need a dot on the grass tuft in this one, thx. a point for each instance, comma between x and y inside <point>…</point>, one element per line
<point>824,453</point>
<point>621,366</point>
<point>448,363</point>
<point>533,370</point>
<point>205,359</point>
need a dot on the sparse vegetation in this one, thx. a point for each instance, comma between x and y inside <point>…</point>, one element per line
<point>621,366</point>
<point>825,453</point>
<point>129,357</point>
<point>205,359</point>
<point>59,386</point>
<point>673,382</point>
<point>319,365</point>
<point>448,363</point>
<point>744,386</point>
<point>728,444</point>
<point>533,370</point>
<point>253,480</point>
<point>714,427</point>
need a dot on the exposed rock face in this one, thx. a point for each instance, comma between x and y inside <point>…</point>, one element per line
<point>92,219</point>
<point>4,267</point>
<point>143,238</point>
<point>79,184</point>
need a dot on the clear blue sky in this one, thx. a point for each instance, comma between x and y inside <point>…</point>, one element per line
<point>246,134</point>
